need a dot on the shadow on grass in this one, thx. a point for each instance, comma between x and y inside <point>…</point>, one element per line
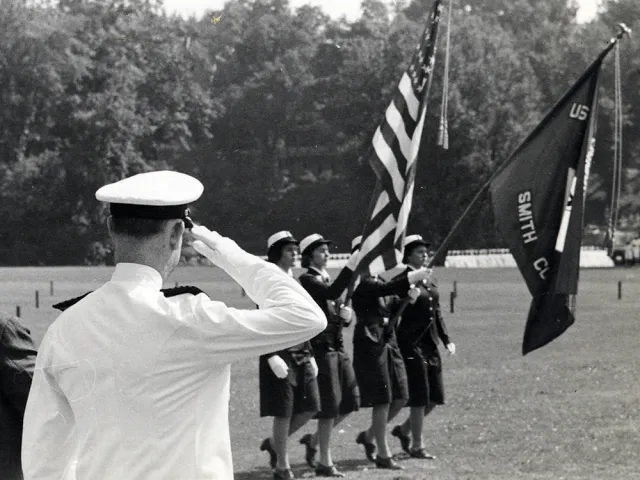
<point>302,470</point>
<point>255,474</point>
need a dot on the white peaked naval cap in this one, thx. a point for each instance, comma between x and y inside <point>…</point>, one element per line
<point>413,239</point>
<point>158,189</point>
<point>356,242</point>
<point>312,241</point>
<point>284,237</point>
<point>159,195</point>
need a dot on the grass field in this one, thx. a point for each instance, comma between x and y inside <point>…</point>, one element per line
<point>568,411</point>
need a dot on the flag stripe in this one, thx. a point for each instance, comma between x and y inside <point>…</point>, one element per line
<point>396,143</point>
<point>409,122</point>
<point>409,97</point>
<point>388,159</point>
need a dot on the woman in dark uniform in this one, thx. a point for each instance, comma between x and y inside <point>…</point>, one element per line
<point>377,360</point>
<point>288,385</point>
<point>418,332</point>
<point>339,393</point>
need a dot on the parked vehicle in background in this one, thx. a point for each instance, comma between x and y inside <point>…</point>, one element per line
<point>625,247</point>
<point>623,250</point>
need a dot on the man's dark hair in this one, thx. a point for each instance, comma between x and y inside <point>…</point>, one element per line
<point>137,227</point>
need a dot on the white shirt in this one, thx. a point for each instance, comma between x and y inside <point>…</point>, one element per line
<point>132,385</point>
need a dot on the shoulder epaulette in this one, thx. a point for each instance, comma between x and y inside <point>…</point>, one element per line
<point>62,306</point>
<point>167,292</point>
<point>172,292</point>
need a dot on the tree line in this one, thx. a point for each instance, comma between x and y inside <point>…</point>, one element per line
<point>273,109</point>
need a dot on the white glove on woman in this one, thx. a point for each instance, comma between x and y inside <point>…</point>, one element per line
<point>413,294</point>
<point>278,366</point>
<point>419,275</point>
<point>314,367</point>
<point>452,348</point>
<point>346,314</point>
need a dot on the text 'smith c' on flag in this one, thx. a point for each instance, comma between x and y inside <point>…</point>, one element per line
<point>538,199</point>
<point>393,159</point>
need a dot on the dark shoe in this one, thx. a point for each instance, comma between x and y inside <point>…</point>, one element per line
<point>388,463</point>
<point>421,453</point>
<point>324,471</point>
<point>310,452</point>
<point>283,474</point>
<point>369,448</point>
<point>405,440</point>
<point>265,446</point>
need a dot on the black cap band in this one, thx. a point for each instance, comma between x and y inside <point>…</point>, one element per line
<point>125,210</point>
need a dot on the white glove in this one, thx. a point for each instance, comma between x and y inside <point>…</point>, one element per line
<point>452,348</point>
<point>346,314</point>
<point>202,248</point>
<point>278,366</point>
<point>413,294</point>
<point>219,250</point>
<point>314,367</point>
<point>352,263</point>
<point>419,275</point>
<point>209,238</point>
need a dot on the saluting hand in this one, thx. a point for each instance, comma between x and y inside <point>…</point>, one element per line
<point>278,366</point>
<point>206,236</point>
<point>451,347</point>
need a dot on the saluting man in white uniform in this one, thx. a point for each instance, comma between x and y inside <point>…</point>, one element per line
<point>130,384</point>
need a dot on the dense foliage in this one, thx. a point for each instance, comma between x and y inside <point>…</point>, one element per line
<point>273,109</point>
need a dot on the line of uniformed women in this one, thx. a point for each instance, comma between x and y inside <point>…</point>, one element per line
<point>395,364</point>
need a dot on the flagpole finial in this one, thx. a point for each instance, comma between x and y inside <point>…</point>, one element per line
<point>624,30</point>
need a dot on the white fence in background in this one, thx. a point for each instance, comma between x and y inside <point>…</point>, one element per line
<point>590,257</point>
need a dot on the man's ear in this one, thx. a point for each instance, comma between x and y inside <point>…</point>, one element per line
<point>177,230</point>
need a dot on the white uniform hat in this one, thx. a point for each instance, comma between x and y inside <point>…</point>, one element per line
<point>308,244</point>
<point>412,240</point>
<point>281,238</point>
<point>160,195</point>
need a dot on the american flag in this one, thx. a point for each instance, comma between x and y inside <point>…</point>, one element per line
<point>395,149</point>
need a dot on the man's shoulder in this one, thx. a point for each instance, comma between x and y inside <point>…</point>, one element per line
<point>167,292</point>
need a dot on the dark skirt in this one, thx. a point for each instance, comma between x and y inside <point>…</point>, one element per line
<point>284,397</point>
<point>424,372</point>
<point>339,393</point>
<point>379,368</point>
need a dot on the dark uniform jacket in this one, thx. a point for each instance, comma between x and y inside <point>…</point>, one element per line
<point>424,314</point>
<point>17,361</point>
<point>325,294</point>
<point>371,308</point>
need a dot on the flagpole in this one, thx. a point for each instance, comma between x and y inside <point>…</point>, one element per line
<point>421,114</point>
<point>445,243</point>
<point>624,30</point>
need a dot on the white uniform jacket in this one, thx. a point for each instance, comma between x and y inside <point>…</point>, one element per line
<point>130,385</point>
